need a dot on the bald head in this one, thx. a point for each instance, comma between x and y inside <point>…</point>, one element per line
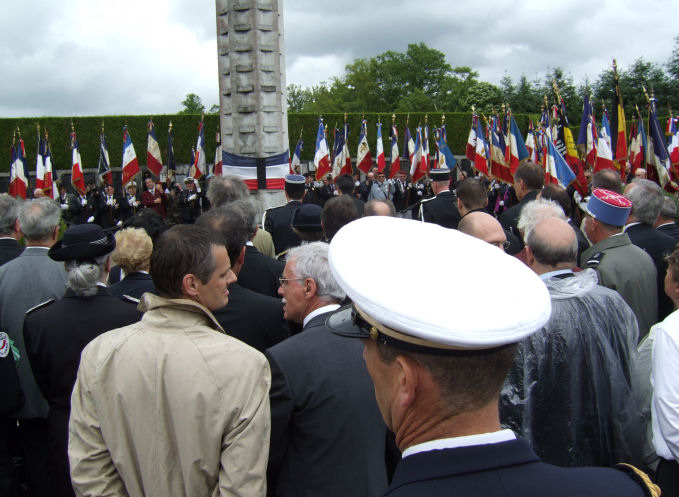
<point>483,226</point>
<point>552,245</point>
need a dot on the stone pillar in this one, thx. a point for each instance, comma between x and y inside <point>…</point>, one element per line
<point>253,106</point>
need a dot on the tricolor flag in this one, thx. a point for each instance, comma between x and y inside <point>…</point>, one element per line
<point>657,151</point>
<point>395,165</point>
<point>470,151</point>
<point>425,147</point>
<point>408,146</point>
<point>673,145</point>
<point>154,162</point>
<point>219,160</point>
<point>619,129</point>
<point>346,155</point>
<point>338,153</point>
<point>638,145</point>
<point>604,155</point>
<point>18,182</point>
<point>557,166</point>
<point>321,153</point>
<point>197,168</point>
<point>40,162</point>
<point>418,165</point>
<point>446,157</point>
<point>517,147</point>
<point>104,163</point>
<point>379,159</point>
<point>267,173</point>
<point>364,160</point>
<point>498,167</point>
<point>296,159</point>
<point>171,168</point>
<point>530,142</point>
<point>77,176</point>
<point>130,162</point>
<point>481,150</point>
<point>50,176</point>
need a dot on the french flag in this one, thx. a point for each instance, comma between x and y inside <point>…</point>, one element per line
<point>219,161</point>
<point>154,161</point>
<point>395,165</point>
<point>364,160</point>
<point>381,163</point>
<point>17,178</point>
<point>198,166</point>
<point>480,150</point>
<point>130,162</point>
<point>470,151</point>
<point>321,154</point>
<point>77,177</point>
<point>296,159</point>
<point>258,173</point>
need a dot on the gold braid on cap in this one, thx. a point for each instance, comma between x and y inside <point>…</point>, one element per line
<point>376,328</point>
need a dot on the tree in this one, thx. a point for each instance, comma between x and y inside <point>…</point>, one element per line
<point>192,105</point>
<point>455,87</point>
<point>485,97</point>
<point>416,101</point>
<point>214,109</point>
<point>298,98</point>
<point>673,63</point>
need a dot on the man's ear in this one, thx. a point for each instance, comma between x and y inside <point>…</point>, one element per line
<point>530,258</point>
<point>309,288</point>
<point>241,256</point>
<point>190,286</point>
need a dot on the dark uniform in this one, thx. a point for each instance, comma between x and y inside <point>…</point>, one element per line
<point>108,210</point>
<point>133,285</point>
<point>191,202</point>
<point>81,209</point>
<point>278,222</point>
<point>129,205</point>
<point>260,273</point>
<point>55,333</point>
<point>441,210</point>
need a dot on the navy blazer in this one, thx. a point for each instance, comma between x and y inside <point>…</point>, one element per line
<point>9,249</point>
<point>134,285</point>
<point>671,230</point>
<point>260,272</point>
<point>508,469</point>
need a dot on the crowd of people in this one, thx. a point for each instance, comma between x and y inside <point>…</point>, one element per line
<point>175,343</point>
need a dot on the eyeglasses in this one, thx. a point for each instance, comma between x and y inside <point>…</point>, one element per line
<point>503,245</point>
<point>284,281</point>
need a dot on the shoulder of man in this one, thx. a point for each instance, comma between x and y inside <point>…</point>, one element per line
<point>594,260</point>
<point>40,306</point>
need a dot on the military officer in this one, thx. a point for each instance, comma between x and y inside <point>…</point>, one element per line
<point>441,209</point>
<point>278,220</point>
<point>130,202</point>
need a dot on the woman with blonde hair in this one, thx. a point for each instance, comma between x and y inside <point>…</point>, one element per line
<point>133,255</point>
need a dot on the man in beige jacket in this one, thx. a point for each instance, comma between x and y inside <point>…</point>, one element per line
<point>171,406</point>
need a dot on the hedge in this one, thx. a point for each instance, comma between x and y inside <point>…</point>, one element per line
<point>185,132</point>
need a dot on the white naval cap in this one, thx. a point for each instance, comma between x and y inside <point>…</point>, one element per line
<point>449,305</point>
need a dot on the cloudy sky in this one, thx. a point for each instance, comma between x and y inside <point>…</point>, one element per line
<point>90,57</point>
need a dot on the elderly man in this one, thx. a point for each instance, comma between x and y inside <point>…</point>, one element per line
<point>9,229</point>
<point>485,227</point>
<point>620,266</point>
<point>25,282</point>
<point>440,209</point>
<point>591,335</point>
<point>278,220</point>
<point>529,179</point>
<point>171,405</point>
<point>379,207</point>
<point>327,437</point>
<point>647,200</point>
<point>153,197</point>
<point>55,332</point>
<point>437,380</point>
<point>666,221</point>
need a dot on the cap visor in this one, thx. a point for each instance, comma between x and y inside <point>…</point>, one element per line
<point>342,323</point>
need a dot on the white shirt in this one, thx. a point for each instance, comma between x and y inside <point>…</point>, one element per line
<point>320,310</point>
<point>455,442</point>
<point>665,404</point>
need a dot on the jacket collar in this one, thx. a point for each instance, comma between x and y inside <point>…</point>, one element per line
<point>151,302</point>
<point>101,291</point>
<point>451,462</point>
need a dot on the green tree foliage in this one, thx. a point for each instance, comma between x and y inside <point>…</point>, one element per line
<point>192,104</point>
<point>486,97</point>
<point>673,63</point>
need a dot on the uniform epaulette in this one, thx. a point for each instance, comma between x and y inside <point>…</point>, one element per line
<point>282,256</point>
<point>595,260</point>
<point>43,304</point>
<point>128,298</point>
<point>424,200</point>
<point>641,478</point>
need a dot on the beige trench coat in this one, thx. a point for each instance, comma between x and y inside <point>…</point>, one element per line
<point>170,406</point>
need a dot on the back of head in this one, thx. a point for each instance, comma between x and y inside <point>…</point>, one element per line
<point>311,261</point>
<point>607,179</point>
<point>230,224</point>
<point>532,175</point>
<point>9,212</point>
<point>559,195</point>
<point>150,221</point>
<point>669,209</point>
<point>38,218</point>
<point>472,194</point>
<point>226,189</point>
<point>345,184</point>
<point>552,242</point>
<point>379,207</point>
<point>337,212</point>
<point>249,211</point>
<point>647,199</point>
<point>181,250</point>
<point>133,250</point>
<point>481,225</point>
<point>535,211</point>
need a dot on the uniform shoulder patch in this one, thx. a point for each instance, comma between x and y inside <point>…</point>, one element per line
<point>641,478</point>
<point>43,304</point>
<point>595,260</point>
<point>5,345</point>
<point>128,298</point>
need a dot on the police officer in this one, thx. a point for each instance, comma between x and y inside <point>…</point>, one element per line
<point>278,220</point>
<point>442,208</point>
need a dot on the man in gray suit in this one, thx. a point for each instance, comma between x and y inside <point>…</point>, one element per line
<point>26,281</point>
<point>327,435</point>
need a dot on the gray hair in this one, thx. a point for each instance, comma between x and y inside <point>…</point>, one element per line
<point>83,276</point>
<point>646,197</point>
<point>9,211</point>
<point>249,212</point>
<point>311,261</point>
<point>226,189</point>
<point>38,218</point>
<point>535,211</point>
<point>669,209</point>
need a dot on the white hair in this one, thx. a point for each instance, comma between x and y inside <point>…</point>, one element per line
<point>535,211</point>
<point>83,276</point>
<point>311,261</point>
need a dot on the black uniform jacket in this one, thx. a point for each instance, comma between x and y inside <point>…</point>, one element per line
<point>441,210</point>
<point>9,249</point>
<point>133,285</point>
<point>278,222</point>
<point>260,273</point>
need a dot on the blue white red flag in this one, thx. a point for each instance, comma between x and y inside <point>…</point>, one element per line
<point>415,161</point>
<point>557,167</point>
<point>154,162</point>
<point>104,163</point>
<point>517,147</point>
<point>130,162</point>
<point>604,154</point>
<point>409,146</point>
<point>296,159</point>
<point>40,163</point>
<point>395,165</point>
<point>346,155</point>
<point>364,160</point>
<point>171,168</point>
<point>657,150</point>
<point>379,159</point>
<point>77,176</point>
<point>219,161</point>
<point>321,154</point>
<point>481,152</point>
<point>50,176</point>
<point>18,182</point>
<point>267,173</point>
<point>425,147</point>
<point>197,169</point>
<point>338,153</point>
<point>470,151</point>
